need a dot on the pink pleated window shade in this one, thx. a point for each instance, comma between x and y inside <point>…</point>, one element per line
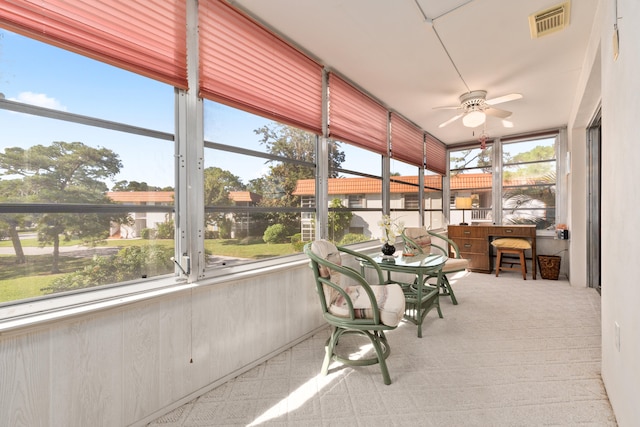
<point>356,118</point>
<point>407,141</point>
<point>247,67</point>
<point>436,155</point>
<point>145,37</point>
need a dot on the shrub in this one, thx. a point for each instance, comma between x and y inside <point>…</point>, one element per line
<point>129,263</point>
<point>166,230</point>
<point>297,243</point>
<point>224,228</point>
<point>352,238</point>
<point>275,233</point>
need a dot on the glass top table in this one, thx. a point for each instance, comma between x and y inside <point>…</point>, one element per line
<point>420,297</point>
<point>420,261</point>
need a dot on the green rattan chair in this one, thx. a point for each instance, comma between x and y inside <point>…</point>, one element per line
<point>419,239</point>
<point>354,306</point>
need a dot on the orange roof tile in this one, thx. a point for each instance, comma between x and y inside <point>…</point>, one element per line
<point>244,196</point>
<point>138,197</point>
<point>471,180</point>
<point>306,187</point>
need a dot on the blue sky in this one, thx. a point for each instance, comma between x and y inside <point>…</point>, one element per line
<point>36,73</point>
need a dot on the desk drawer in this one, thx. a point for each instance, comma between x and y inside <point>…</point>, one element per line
<point>472,245</point>
<point>514,231</point>
<point>466,232</point>
<point>477,262</point>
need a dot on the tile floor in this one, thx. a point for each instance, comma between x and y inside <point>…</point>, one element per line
<point>512,353</point>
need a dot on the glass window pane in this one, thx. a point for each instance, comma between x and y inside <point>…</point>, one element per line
<point>230,126</point>
<point>259,186</point>
<point>40,74</point>
<point>68,182</point>
<point>471,159</point>
<point>405,188</point>
<point>65,252</point>
<point>355,207</point>
<point>529,151</point>
<point>358,159</point>
<point>529,183</point>
<point>355,199</point>
<point>234,237</point>
<point>433,207</point>
<point>471,185</point>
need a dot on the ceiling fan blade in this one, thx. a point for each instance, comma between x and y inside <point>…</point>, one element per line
<point>505,98</point>
<point>449,107</point>
<point>451,120</point>
<point>497,112</point>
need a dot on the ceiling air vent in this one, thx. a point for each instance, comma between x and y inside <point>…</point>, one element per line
<point>549,20</point>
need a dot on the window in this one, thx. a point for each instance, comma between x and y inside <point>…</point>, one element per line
<point>308,219</point>
<point>354,193</point>
<point>411,201</point>
<point>404,193</point>
<point>251,178</point>
<point>357,201</point>
<point>255,206</point>
<point>433,215</point>
<point>74,186</point>
<point>529,182</point>
<point>471,185</point>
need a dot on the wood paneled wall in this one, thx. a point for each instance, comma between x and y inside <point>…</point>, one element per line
<point>128,365</point>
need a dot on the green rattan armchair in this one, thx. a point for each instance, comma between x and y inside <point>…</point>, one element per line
<point>419,239</point>
<point>354,306</point>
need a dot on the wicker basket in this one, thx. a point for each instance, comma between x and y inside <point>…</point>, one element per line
<point>549,266</point>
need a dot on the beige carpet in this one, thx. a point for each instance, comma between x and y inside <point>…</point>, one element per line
<point>512,353</point>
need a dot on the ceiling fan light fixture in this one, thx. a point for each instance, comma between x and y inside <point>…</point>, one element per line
<point>474,119</point>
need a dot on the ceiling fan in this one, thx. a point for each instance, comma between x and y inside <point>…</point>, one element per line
<point>475,108</point>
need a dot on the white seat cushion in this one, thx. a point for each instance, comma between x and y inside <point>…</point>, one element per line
<point>328,251</point>
<point>455,264</point>
<point>420,236</point>
<point>390,299</point>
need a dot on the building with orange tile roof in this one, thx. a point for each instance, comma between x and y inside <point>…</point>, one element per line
<point>363,192</point>
<point>402,184</point>
<point>142,197</point>
<point>140,220</point>
<point>247,198</point>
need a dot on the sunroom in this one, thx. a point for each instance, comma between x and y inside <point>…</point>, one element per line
<point>272,124</point>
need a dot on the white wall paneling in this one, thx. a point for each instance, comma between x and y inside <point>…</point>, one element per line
<point>130,364</point>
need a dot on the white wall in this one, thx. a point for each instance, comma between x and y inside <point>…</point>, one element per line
<point>620,202</point>
<point>133,363</point>
<point>620,240</point>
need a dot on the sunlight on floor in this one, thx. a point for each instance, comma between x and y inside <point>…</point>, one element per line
<point>306,391</point>
<point>297,398</point>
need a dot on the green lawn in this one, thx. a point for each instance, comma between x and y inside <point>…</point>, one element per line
<point>34,243</point>
<point>230,247</point>
<point>20,281</point>
<point>25,287</point>
<point>113,243</point>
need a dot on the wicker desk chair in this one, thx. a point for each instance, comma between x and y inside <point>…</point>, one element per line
<point>420,239</point>
<point>362,308</point>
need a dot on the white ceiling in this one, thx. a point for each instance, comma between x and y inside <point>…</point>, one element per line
<point>387,48</point>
